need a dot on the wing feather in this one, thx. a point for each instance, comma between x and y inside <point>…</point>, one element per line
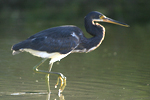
<point>58,39</point>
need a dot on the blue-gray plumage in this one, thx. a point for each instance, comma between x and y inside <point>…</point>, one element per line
<point>57,42</point>
<point>57,39</point>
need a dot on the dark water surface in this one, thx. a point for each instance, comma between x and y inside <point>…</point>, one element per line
<point>118,70</point>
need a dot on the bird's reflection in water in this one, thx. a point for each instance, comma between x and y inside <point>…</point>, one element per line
<point>58,97</point>
<point>49,96</point>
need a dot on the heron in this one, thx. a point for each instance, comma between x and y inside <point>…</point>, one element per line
<point>57,42</point>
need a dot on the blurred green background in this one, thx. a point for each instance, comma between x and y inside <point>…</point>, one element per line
<point>41,14</point>
<point>118,70</point>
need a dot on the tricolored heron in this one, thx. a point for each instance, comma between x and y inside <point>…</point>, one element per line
<point>58,42</point>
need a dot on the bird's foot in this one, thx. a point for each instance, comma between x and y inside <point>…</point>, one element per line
<point>63,82</point>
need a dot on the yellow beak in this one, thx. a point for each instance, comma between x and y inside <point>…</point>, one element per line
<point>109,20</point>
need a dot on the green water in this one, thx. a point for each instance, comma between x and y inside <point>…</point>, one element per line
<point>118,70</point>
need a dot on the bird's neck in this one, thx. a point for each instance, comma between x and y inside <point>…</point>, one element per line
<point>98,33</point>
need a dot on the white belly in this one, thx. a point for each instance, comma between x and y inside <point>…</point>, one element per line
<point>56,56</point>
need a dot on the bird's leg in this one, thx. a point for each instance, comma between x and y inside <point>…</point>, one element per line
<point>35,69</point>
<point>47,78</point>
<point>60,75</point>
<point>47,82</point>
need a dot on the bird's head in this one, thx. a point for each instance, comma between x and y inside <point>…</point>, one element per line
<point>99,17</point>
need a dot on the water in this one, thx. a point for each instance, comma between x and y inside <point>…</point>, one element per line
<point>118,70</point>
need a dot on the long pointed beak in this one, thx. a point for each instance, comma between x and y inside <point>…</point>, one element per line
<point>109,20</point>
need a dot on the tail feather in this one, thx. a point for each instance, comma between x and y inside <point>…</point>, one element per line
<point>17,48</point>
<point>20,45</point>
<point>15,52</point>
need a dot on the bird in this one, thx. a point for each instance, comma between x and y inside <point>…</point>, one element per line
<point>58,42</point>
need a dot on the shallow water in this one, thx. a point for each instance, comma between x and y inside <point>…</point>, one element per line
<point>118,70</point>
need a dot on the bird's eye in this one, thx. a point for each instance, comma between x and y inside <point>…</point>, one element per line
<point>99,16</point>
